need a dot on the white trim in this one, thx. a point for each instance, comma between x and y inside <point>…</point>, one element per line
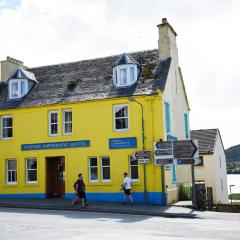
<point>109,166</point>
<point>19,92</point>
<point>89,170</point>
<point>63,122</point>
<point>26,170</point>
<point>114,120</point>
<point>3,117</point>
<point>16,170</point>
<point>127,67</point>
<point>49,123</point>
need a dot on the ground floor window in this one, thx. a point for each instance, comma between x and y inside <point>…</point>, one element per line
<point>133,168</point>
<point>105,169</point>
<point>11,168</point>
<point>93,169</point>
<point>31,170</point>
<point>99,169</point>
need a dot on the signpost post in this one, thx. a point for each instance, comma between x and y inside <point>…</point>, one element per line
<point>178,153</point>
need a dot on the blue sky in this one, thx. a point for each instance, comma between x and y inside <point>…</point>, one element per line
<point>10,4</point>
<point>43,32</point>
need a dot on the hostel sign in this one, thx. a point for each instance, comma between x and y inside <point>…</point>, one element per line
<point>55,145</point>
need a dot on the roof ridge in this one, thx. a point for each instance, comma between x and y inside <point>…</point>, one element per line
<point>91,59</point>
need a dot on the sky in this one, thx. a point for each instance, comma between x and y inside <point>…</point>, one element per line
<point>52,31</point>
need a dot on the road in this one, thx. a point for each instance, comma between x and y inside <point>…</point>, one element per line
<point>30,224</point>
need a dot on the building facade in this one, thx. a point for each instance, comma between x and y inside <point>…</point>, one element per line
<point>90,117</point>
<point>212,170</point>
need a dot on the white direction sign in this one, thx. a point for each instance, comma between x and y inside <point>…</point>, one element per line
<point>163,153</point>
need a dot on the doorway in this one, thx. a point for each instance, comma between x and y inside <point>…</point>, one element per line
<point>55,176</point>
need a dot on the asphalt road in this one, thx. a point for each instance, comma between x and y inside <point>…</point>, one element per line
<point>30,224</point>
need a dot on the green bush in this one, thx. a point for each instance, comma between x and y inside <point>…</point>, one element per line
<point>185,192</point>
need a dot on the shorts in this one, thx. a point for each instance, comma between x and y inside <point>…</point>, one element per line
<point>127,191</point>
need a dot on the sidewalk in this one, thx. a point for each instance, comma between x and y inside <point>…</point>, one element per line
<point>118,208</point>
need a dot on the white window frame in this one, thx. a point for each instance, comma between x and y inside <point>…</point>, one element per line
<point>89,169</point>
<point>49,123</point>
<point>19,90</point>
<point>130,170</point>
<point>114,118</point>
<point>12,170</point>
<point>64,122</point>
<point>27,170</point>
<point>4,117</point>
<point>107,166</point>
<point>116,74</point>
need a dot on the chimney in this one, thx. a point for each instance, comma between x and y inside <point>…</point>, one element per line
<point>167,46</point>
<point>8,68</point>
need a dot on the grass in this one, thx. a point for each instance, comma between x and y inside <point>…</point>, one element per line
<point>234,196</point>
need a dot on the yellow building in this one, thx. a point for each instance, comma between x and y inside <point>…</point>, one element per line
<point>90,117</point>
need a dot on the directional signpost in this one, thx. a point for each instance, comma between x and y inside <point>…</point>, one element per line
<point>142,156</point>
<point>163,153</point>
<point>174,152</point>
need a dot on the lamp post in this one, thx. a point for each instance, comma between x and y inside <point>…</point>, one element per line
<point>230,186</point>
<point>132,99</point>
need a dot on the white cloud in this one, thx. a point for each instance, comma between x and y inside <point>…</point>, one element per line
<point>48,32</point>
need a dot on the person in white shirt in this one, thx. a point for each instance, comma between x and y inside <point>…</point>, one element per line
<point>127,189</point>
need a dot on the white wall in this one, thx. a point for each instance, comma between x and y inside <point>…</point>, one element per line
<point>220,169</point>
<point>213,170</point>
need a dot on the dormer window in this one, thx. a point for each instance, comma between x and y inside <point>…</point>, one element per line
<point>125,75</point>
<point>17,88</point>
<point>125,71</point>
<point>20,84</point>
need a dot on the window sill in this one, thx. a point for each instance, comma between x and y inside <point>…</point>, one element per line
<point>121,130</point>
<point>5,139</point>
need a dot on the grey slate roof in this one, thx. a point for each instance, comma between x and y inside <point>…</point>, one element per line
<point>89,80</point>
<point>125,59</point>
<point>23,74</point>
<point>206,139</point>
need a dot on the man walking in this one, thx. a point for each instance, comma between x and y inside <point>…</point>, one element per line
<point>79,187</point>
<point>127,189</point>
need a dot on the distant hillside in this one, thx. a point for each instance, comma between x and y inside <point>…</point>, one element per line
<point>233,154</point>
<point>233,159</point>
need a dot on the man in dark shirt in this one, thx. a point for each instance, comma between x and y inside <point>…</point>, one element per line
<point>80,189</point>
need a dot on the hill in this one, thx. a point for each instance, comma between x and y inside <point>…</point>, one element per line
<point>233,159</point>
<point>233,154</point>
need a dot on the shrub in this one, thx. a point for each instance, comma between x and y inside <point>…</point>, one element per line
<point>185,192</point>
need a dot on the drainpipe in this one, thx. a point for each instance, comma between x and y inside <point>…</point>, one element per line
<point>132,99</point>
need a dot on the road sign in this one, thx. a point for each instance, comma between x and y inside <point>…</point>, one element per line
<point>163,161</point>
<point>182,152</point>
<point>142,156</point>
<point>184,149</point>
<point>163,153</point>
<point>143,161</point>
<point>183,161</point>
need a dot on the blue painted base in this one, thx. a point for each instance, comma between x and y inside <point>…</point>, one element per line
<point>158,198</point>
<point>24,195</point>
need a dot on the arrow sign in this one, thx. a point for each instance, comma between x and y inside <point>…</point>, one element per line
<point>142,155</point>
<point>184,149</point>
<point>183,161</point>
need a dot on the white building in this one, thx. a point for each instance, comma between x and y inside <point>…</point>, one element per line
<point>212,168</point>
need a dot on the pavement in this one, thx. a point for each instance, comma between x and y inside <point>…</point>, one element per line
<point>102,207</point>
